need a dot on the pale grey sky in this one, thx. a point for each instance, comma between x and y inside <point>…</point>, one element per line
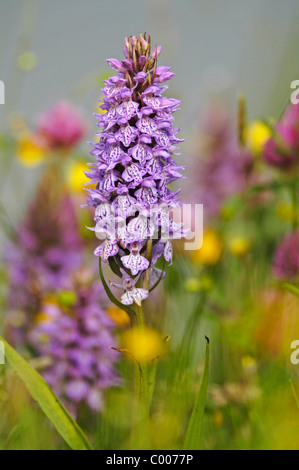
<point>215,47</point>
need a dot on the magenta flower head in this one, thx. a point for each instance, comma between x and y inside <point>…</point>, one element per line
<point>286,259</point>
<point>222,168</point>
<point>62,125</point>
<point>282,149</point>
<point>134,166</point>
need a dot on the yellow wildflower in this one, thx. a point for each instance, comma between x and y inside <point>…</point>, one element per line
<point>76,176</point>
<point>119,316</point>
<point>211,250</point>
<point>257,135</point>
<point>30,150</point>
<point>144,345</point>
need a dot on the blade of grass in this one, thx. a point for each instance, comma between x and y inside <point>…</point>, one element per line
<point>47,400</point>
<point>292,289</point>
<point>295,393</point>
<point>193,434</point>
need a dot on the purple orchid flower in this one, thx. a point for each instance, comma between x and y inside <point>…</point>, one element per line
<point>132,294</point>
<point>134,166</point>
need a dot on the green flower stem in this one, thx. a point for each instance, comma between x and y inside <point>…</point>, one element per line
<point>141,425</point>
<point>141,378</point>
<point>148,255</point>
<point>141,430</point>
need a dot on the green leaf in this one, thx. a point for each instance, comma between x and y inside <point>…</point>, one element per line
<point>114,266</point>
<point>292,289</point>
<point>47,400</point>
<point>129,310</point>
<point>193,434</point>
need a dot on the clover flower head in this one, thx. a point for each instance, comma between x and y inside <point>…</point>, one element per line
<point>281,150</point>
<point>222,168</point>
<point>286,258</point>
<point>134,165</point>
<point>62,125</point>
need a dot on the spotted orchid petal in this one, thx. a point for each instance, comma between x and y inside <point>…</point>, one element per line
<point>147,125</point>
<point>125,205</point>
<point>108,182</point>
<point>104,211</point>
<point>135,262</point>
<point>141,152</point>
<point>127,110</point>
<point>134,295</point>
<point>133,172</point>
<point>126,135</point>
<point>168,252</point>
<point>107,249</point>
<point>140,227</point>
<point>147,195</point>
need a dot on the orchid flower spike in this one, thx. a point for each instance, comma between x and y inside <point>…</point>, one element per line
<point>134,166</point>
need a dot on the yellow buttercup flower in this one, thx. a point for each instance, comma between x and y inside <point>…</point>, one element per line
<point>30,151</point>
<point>76,176</point>
<point>143,345</point>
<point>257,135</point>
<point>239,246</point>
<point>211,250</point>
<point>119,316</point>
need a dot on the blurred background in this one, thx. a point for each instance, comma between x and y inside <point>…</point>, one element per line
<point>58,50</point>
<point>234,63</point>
